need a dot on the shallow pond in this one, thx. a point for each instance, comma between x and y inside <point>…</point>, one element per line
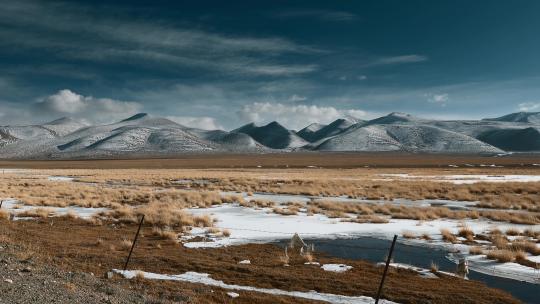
<point>375,250</point>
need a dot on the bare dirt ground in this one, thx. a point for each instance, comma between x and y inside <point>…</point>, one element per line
<point>77,246</point>
<point>285,160</point>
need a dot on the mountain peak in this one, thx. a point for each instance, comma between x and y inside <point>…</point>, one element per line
<point>61,120</point>
<point>137,116</point>
<point>394,117</point>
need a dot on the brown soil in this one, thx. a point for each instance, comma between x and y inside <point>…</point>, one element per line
<point>284,160</point>
<point>76,245</point>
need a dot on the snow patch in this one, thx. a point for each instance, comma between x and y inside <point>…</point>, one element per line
<point>336,267</point>
<point>203,278</point>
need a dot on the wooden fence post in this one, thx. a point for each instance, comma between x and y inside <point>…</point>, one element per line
<point>134,241</point>
<point>386,269</point>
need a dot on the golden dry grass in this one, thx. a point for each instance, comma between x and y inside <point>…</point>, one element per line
<point>4,214</point>
<point>448,236</point>
<point>476,250</point>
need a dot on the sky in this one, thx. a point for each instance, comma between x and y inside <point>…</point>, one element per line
<point>220,64</point>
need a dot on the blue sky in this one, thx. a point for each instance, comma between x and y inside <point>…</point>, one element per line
<point>219,64</point>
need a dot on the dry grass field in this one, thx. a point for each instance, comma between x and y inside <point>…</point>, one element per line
<point>163,190</point>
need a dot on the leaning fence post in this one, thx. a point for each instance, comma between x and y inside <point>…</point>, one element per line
<point>133,245</point>
<point>385,269</point>
<point>1,202</point>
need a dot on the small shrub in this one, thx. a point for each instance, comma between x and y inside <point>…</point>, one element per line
<point>408,235</point>
<point>434,267</point>
<point>226,232</point>
<point>476,250</point>
<point>448,236</point>
<point>512,231</point>
<point>125,244</point>
<point>466,233</point>
<point>501,255</point>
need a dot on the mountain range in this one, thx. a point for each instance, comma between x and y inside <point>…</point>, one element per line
<point>145,135</point>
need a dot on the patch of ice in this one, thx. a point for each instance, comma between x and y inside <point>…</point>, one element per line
<point>480,263</point>
<point>465,178</point>
<point>336,267</point>
<point>233,294</point>
<point>15,207</point>
<point>61,178</point>
<point>203,278</point>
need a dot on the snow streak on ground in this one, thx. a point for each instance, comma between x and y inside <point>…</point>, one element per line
<point>465,178</point>
<point>16,207</point>
<point>203,278</point>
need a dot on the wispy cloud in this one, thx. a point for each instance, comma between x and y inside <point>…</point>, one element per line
<point>398,60</point>
<point>529,106</point>
<point>37,25</point>
<point>325,15</point>
<point>440,99</point>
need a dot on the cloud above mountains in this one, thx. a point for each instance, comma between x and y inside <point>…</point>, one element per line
<point>294,116</point>
<point>68,103</point>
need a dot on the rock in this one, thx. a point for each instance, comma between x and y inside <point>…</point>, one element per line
<point>109,275</point>
<point>26,269</point>
<point>8,281</point>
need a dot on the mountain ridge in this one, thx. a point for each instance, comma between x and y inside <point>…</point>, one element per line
<point>144,134</point>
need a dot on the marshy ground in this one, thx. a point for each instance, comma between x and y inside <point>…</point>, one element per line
<point>75,216</point>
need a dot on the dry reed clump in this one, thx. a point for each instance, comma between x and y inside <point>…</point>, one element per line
<point>448,236</point>
<point>164,234</point>
<point>426,237</point>
<point>476,250</point>
<point>36,212</point>
<point>532,233</point>
<point>467,233</point>
<point>408,234</point>
<point>290,210</point>
<point>512,231</point>
<point>4,215</point>
<point>125,244</point>
<point>308,256</point>
<point>501,255</point>
<point>434,267</point>
<point>525,246</point>
<point>226,232</point>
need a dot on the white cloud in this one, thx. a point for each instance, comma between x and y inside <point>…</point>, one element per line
<point>398,60</point>
<point>293,116</point>
<point>325,15</point>
<point>297,98</point>
<point>67,102</point>
<point>440,99</point>
<point>362,77</point>
<point>529,106</point>
<point>205,123</point>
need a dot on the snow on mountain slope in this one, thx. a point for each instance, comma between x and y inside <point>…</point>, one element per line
<point>525,117</point>
<point>332,129</point>
<point>273,135</point>
<point>394,117</point>
<point>64,126</point>
<point>145,135</point>
<point>412,138</point>
<point>369,138</point>
<point>230,140</point>
<point>422,138</point>
<point>308,132</point>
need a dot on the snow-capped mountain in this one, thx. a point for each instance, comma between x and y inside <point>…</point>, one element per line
<point>145,135</point>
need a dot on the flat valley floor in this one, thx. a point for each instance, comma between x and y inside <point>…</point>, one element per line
<point>218,229</point>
